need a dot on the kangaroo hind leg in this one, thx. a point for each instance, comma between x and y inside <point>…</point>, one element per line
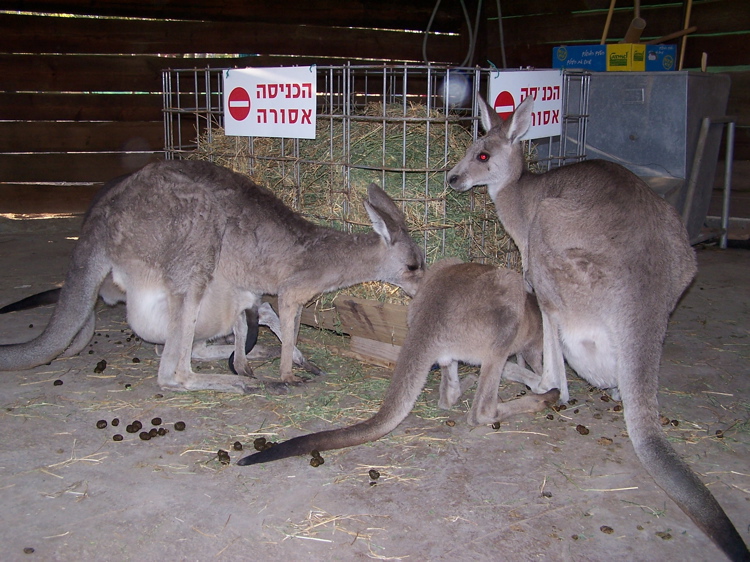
<point>517,372</point>
<point>553,373</point>
<point>175,372</point>
<point>486,407</point>
<point>267,317</point>
<point>451,387</point>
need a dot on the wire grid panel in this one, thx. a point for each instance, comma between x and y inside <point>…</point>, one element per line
<point>192,105</point>
<point>400,126</point>
<point>569,147</point>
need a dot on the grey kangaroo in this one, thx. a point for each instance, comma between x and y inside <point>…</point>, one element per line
<point>608,261</point>
<point>193,246</point>
<point>467,312</point>
<point>111,295</point>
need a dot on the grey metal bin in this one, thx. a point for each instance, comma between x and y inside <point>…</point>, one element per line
<point>650,122</point>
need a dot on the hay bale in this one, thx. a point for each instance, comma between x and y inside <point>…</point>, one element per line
<point>404,149</point>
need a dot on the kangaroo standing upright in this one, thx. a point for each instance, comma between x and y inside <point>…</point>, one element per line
<point>468,312</point>
<point>191,246</point>
<point>608,261</point>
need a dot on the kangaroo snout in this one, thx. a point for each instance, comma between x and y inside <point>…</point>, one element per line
<point>410,286</point>
<point>454,180</point>
<point>465,176</point>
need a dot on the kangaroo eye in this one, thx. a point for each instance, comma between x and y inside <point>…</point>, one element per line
<point>412,267</point>
<point>483,157</point>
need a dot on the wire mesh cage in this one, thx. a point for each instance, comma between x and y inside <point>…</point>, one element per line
<point>400,126</point>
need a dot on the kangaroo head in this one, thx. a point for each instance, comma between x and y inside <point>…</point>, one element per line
<point>495,159</point>
<point>403,263</point>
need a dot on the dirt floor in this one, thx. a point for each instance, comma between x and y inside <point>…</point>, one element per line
<point>538,488</point>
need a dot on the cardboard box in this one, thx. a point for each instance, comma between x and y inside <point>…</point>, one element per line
<point>615,57</point>
<point>661,58</point>
<point>626,57</point>
<point>580,57</point>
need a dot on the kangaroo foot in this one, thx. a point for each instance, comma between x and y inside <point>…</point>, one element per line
<point>219,383</point>
<point>274,387</point>
<point>528,404</point>
<point>309,367</point>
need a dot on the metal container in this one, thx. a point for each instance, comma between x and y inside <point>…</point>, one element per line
<point>650,122</point>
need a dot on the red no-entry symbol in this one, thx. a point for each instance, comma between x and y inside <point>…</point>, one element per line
<point>505,105</point>
<point>239,104</point>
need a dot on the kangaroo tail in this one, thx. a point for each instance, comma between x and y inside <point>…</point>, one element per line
<point>76,301</point>
<point>676,478</point>
<point>370,430</point>
<point>40,299</point>
<point>408,379</point>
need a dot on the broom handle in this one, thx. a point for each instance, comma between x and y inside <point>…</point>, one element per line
<point>674,35</point>
<point>609,20</point>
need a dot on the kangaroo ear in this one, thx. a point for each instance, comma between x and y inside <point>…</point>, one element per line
<point>520,121</point>
<point>387,219</point>
<point>488,115</point>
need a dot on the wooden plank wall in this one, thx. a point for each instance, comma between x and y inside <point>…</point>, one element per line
<point>80,98</point>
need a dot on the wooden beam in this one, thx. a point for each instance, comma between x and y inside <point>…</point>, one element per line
<point>81,107</point>
<point>373,320</point>
<point>63,73</point>
<point>108,73</point>
<point>385,354</point>
<point>377,329</point>
<point>64,136</point>
<point>39,34</point>
<point>45,199</point>
<point>722,50</point>
<point>348,351</point>
<point>353,13</point>
<point>74,168</point>
<point>364,318</point>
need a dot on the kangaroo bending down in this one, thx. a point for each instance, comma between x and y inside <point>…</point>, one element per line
<point>192,246</point>
<point>608,261</point>
<point>478,314</point>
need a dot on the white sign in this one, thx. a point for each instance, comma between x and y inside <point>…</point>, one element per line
<point>270,102</point>
<point>509,88</point>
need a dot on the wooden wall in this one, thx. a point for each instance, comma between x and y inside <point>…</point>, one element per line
<point>80,97</point>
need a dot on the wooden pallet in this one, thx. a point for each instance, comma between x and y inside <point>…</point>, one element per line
<point>377,330</point>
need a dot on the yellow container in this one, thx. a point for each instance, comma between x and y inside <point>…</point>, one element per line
<point>626,57</point>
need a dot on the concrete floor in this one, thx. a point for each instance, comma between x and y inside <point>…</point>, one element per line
<point>534,490</point>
